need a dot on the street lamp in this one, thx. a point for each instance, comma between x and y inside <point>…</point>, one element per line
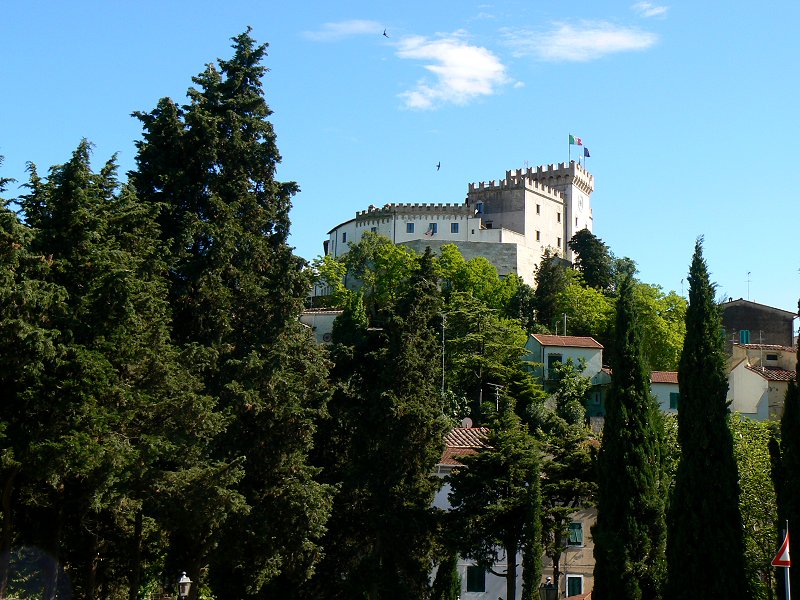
<point>184,583</point>
<point>547,591</point>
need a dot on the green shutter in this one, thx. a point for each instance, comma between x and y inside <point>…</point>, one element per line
<point>576,534</point>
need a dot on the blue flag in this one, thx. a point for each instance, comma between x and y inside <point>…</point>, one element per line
<point>586,152</point>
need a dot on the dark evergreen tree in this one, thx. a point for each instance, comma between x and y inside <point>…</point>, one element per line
<point>786,473</point>
<point>388,413</point>
<point>630,532</point>
<point>447,583</point>
<point>703,516</point>
<point>496,499</point>
<point>236,291</point>
<point>593,260</point>
<point>551,279</point>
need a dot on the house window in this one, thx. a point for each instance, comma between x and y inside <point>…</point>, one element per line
<point>453,227</point>
<point>344,237</point>
<point>552,361</point>
<point>575,535</point>
<point>574,585</point>
<point>538,236</point>
<point>538,209</point>
<point>558,217</point>
<point>409,228</point>
<point>476,579</point>
<point>674,398</point>
<point>772,357</point>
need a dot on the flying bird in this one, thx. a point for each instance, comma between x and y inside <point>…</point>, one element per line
<point>439,164</point>
<point>385,34</point>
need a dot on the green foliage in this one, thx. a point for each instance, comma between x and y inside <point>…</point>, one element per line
<point>787,469</point>
<point>480,348</point>
<point>704,511</point>
<point>569,453</point>
<point>592,260</point>
<point>496,497</point>
<point>663,319</point>
<point>447,584</point>
<point>630,531</point>
<point>757,501</point>
<point>235,291</point>
<point>551,279</point>
<point>382,269</point>
<point>589,312</point>
<point>388,423</point>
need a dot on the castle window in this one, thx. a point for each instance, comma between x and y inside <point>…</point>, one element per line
<point>559,242</point>
<point>538,209</point>
<point>409,228</point>
<point>538,236</point>
<point>558,217</point>
<point>373,229</point>
<point>433,228</point>
<point>576,222</point>
<point>453,227</point>
<point>772,357</point>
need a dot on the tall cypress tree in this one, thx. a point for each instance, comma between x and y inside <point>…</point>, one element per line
<point>705,548</point>
<point>387,412</point>
<point>786,473</point>
<point>236,291</point>
<point>630,532</point>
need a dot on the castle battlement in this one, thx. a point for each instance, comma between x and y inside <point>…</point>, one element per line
<point>563,174</point>
<point>410,208</point>
<point>518,179</point>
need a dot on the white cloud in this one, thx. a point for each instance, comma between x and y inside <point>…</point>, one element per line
<point>331,32</point>
<point>647,10</point>
<point>584,42</point>
<point>461,72</point>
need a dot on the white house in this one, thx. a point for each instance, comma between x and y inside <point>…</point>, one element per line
<point>758,377</point>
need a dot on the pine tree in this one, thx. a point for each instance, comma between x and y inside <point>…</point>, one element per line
<point>703,517</point>
<point>496,499</point>
<point>236,291</point>
<point>629,535</point>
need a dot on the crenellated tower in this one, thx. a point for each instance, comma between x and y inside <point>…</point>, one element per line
<point>549,202</point>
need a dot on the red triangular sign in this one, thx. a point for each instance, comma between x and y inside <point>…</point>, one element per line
<point>782,557</point>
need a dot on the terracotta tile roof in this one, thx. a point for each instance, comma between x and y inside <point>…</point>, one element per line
<point>322,311</point>
<point>772,373</point>
<point>571,341</point>
<point>462,441</point>
<point>776,347</point>
<point>664,377</point>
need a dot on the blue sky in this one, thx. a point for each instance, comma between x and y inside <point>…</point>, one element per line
<point>688,109</point>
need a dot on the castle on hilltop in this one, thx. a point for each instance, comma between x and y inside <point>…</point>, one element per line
<point>509,222</point>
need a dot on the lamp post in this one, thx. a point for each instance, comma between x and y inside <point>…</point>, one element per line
<point>184,584</point>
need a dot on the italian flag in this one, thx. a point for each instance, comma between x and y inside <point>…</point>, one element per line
<point>575,141</point>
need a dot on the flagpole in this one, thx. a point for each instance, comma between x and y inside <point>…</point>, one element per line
<point>569,149</point>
